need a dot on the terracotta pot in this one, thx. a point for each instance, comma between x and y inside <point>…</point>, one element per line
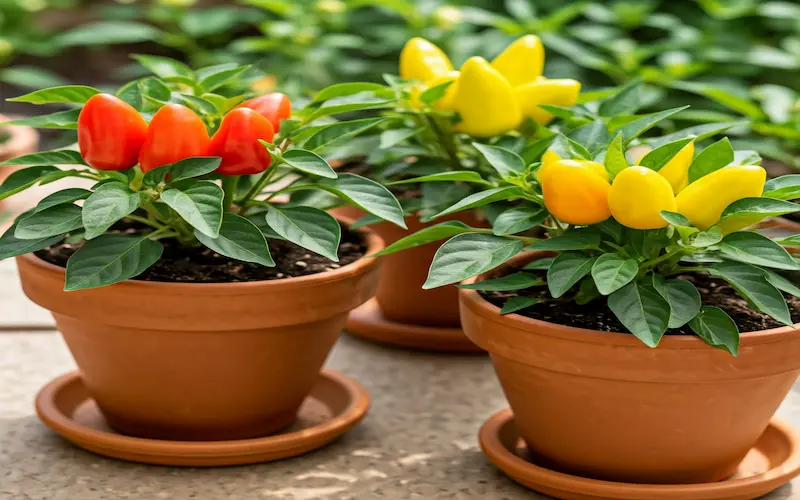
<point>23,141</point>
<point>400,294</point>
<point>605,406</point>
<point>218,361</point>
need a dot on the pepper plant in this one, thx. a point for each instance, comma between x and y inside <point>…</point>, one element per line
<point>625,226</point>
<point>206,171</point>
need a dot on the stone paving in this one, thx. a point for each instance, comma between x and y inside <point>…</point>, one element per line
<point>418,441</point>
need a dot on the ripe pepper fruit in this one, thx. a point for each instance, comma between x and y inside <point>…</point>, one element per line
<point>549,158</point>
<point>522,61</point>
<point>484,100</point>
<point>421,60</point>
<point>574,193</point>
<point>637,197</point>
<point>175,133</point>
<point>236,142</point>
<point>556,92</point>
<point>676,171</point>
<point>704,200</point>
<point>274,107</point>
<point>110,133</point>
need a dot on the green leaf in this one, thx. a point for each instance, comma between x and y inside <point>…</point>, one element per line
<point>366,194</point>
<point>427,235</point>
<point>52,221</point>
<point>23,179</point>
<point>515,304</point>
<point>68,195</point>
<point>625,102</point>
<point>566,270</point>
<point>757,249</point>
<point>723,97</point>
<point>539,264</point>
<point>345,89</point>
<point>76,94</point>
<point>759,207</point>
<point>30,77</point>
<point>515,281</point>
<point>201,105</point>
<point>642,311</point>
<point>331,134</point>
<point>107,33</point>
<point>156,176</point>
<point>164,67</point>
<point>239,239</point>
<point>63,120</point>
<point>657,158</point>
<point>213,77</point>
<point>790,241</point>
<point>713,325</point>
<point>534,151</point>
<point>395,136</point>
<point>452,176</point>
<point>712,158</point>
<point>433,94</point>
<point>638,127</point>
<point>611,272</point>
<point>575,239</point>
<point>707,238</point>
<point>468,255</point>
<point>697,132</point>
<point>517,220</point>
<point>592,136</point>
<point>782,283</point>
<point>348,104</point>
<point>11,246</point>
<point>505,162</point>
<point>676,219</point>
<point>110,203</point>
<point>683,299</point>
<point>752,284</point>
<point>308,162</point>
<point>308,227</point>
<point>480,199</point>
<point>786,187</point>
<point>200,205</point>
<point>59,157</point>
<point>615,161</point>
<point>109,259</point>
<point>197,166</point>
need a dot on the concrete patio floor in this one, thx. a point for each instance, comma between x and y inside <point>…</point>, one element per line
<point>418,441</point>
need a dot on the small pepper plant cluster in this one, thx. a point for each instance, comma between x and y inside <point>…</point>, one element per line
<point>432,115</point>
<point>186,158</point>
<point>625,220</point>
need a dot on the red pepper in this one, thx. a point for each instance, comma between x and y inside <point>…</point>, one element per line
<point>274,107</point>
<point>110,133</point>
<point>175,133</point>
<point>236,142</point>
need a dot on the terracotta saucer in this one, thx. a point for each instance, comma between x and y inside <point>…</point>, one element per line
<point>772,462</point>
<point>335,405</point>
<point>369,322</point>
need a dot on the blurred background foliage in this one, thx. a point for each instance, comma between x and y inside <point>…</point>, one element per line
<point>732,60</point>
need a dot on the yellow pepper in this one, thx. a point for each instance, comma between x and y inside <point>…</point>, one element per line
<point>548,158</point>
<point>421,60</point>
<point>557,92</point>
<point>446,102</point>
<point>704,200</point>
<point>574,193</point>
<point>522,61</point>
<point>676,171</point>
<point>484,100</point>
<point>637,197</point>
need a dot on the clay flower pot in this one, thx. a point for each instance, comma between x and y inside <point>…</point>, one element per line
<point>22,141</point>
<point>605,406</point>
<point>219,361</point>
<point>400,296</point>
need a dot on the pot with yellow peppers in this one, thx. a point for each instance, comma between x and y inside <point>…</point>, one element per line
<point>649,336</point>
<point>430,116</point>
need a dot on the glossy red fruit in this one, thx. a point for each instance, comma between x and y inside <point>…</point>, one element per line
<point>274,107</point>
<point>175,133</point>
<point>236,142</point>
<point>110,133</point>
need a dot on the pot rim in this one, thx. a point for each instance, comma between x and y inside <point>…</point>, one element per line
<point>373,242</point>
<point>477,304</point>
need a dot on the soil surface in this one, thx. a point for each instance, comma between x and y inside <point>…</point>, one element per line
<point>597,316</point>
<point>179,264</point>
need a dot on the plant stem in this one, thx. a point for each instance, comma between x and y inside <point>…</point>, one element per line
<point>658,260</point>
<point>446,142</point>
<point>229,183</point>
<point>693,269</point>
<point>146,221</point>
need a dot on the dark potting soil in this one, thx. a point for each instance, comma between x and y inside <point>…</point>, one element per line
<point>179,264</point>
<point>597,316</point>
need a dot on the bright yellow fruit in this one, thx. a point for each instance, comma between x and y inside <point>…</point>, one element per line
<point>522,61</point>
<point>704,200</point>
<point>574,193</point>
<point>595,167</point>
<point>548,158</point>
<point>676,171</point>
<point>484,100</point>
<point>446,102</point>
<point>421,60</point>
<point>556,92</point>
<point>637,197</point>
